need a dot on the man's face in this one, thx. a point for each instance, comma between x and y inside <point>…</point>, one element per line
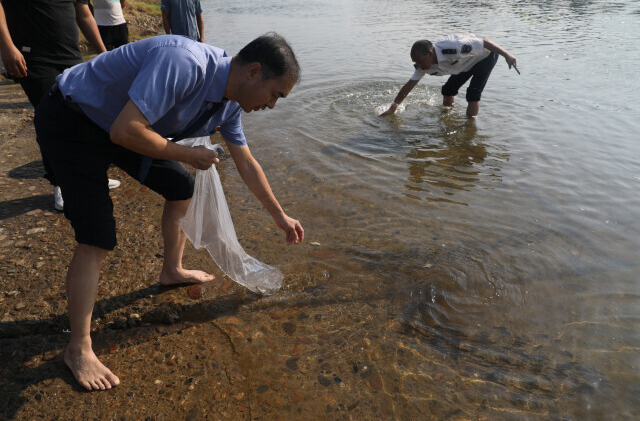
<point>258,93</point>
<point>423,61</point>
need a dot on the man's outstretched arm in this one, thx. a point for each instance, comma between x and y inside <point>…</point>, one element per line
<point>495,48</point>
<point>404,91</point>
<point>253,176</point>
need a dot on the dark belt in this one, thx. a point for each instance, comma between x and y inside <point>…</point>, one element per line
<point>55,93</point>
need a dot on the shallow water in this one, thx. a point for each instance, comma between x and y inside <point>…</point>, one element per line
<point>484,268</point>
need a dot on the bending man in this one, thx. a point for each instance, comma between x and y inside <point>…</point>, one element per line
<point>166,86</point>
<point>462,57</point>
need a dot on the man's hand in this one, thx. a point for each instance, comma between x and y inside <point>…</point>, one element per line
<point>392,109</point>
<point>14,61</point>
<point>292,229</point>
<point>511,60</point>
<point>203,158</point>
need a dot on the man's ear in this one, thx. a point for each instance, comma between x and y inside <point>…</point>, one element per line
<point>254,70</point>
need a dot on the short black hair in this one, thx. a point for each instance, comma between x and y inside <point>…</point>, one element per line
<point>421,47</point>
<point>274,54</point>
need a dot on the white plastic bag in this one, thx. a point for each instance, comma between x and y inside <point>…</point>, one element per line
<point>208,224</point>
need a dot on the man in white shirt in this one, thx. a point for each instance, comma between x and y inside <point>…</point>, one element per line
<point>111,23</point>
<point>463,57</point>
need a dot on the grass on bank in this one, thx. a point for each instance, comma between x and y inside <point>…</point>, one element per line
<point>151,7</point>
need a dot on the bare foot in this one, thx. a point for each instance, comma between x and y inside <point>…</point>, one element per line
<point>184,276</point>
<point>89,371</point>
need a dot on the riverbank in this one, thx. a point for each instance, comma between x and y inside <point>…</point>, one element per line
<point>145,332</point>
<point>209,352</point>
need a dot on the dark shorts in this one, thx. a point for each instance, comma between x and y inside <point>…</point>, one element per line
<point>114,36</point>
<point>40,77</point>
<point>80,153</point>
<point>479,75</point>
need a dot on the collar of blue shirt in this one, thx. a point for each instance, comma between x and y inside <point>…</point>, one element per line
<point>216,93</point>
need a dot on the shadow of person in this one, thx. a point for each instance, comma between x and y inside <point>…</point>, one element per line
<point>31,171</point>
<point>31,351</point>
<point>15,207</point>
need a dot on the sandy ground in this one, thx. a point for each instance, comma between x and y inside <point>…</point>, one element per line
<point>210,352</point>
<point>151,336</point>
<point>132,311</point>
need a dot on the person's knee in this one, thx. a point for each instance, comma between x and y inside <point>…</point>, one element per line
<point>101,235</point>
<point>180,188</point>
<point>96,252</point>
<point>177,207</point>
<point>171,180</point>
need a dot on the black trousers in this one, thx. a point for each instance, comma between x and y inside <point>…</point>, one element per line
<point>80,153</point>
<point>479,75</point>
<point>114,36</point>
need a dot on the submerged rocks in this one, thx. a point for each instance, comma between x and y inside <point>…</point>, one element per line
<point>195,291</point>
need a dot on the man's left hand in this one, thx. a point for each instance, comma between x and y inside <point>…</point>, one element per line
<point>292,229</point>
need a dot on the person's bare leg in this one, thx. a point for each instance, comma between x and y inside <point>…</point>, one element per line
<point>82,287</point>
<point>472,109</point>
<point>448,100</point>
<point>174,241</point>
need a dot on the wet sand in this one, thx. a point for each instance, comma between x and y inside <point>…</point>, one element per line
<point>141,329</point>
<point>210,352</point>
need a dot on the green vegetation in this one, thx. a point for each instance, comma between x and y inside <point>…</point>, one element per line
<point>151,7</point>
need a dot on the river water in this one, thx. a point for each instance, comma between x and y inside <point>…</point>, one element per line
<point>464,269</point>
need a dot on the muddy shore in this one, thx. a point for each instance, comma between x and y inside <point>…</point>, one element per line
<point>212,352</point>
<point>132,312</point>
<point>205,353</point>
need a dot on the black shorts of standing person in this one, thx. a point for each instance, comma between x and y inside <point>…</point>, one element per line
<point>114,36</point>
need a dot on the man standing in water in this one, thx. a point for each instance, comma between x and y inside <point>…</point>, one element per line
<point>166,86</point>
<point>462,57</point>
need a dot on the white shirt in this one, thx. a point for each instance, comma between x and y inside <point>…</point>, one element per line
<point>456,54</point>
<point>108,12</point>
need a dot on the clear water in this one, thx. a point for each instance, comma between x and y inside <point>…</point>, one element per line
<point>479,269</point>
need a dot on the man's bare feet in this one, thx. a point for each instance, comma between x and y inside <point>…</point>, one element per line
<point>88,370</point>
<point>184,276</point>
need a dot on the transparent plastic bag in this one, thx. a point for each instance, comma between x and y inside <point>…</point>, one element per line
<point>208,224</point>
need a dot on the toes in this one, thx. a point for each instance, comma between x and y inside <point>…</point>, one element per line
<point>103,383</point>
<point>95,385</point>
<point>113,379</point>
